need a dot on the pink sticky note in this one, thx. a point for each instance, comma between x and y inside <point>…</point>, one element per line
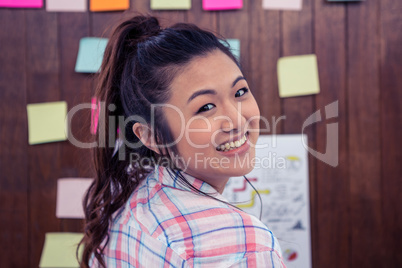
<point>95,110</point>
<point>70,193</point>
<point>282,4</point>
<point>222,4</point>
<point>22,3</point>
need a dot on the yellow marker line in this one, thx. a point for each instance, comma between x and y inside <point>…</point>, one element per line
<point>251,203</point>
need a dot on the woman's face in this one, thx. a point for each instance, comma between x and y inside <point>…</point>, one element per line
<point>214,119</point>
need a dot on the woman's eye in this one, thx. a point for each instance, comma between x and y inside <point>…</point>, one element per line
<point>241,92</point>
<point>206,107</point>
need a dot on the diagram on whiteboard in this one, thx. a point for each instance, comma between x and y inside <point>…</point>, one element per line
<point>280,177</point>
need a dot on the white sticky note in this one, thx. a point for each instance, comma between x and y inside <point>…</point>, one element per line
<point>298,76</point>
<point>282,4</point>
<point>66,5</point>
<point>70,194</point>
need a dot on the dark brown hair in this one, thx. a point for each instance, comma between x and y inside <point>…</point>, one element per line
<point>139,64</point>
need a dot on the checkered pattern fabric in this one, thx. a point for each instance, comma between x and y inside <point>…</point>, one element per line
<point>166,224</point>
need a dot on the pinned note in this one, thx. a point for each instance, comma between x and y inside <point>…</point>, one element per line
<point>47,122</point>
<point>170,4</point>
<point>234,45</point>
<point>90,54</point>
<point>66,5</point>
<point>282,4</point>
<point>21,3</point>
<point>298,76</point>
<point>222,4</point>
<point>70,194</point>
<point>108,5</point>
<point>59,250</point>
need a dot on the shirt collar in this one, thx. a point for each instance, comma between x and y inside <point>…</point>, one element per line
<point>171,178</point>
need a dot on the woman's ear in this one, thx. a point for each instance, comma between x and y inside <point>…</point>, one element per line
<point>145,134</point>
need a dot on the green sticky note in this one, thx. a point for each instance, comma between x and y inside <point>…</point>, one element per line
<point>59,250</point>
<point>47,122</point>
<point>298,76</point>
<point>90,54</point>
<point>170,4</point>
<point>234,45</point>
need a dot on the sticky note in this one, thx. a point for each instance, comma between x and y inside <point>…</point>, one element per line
<point>222,4</point>
<point>66,5</point>
<point>21,3</point>
<point>108,5</point>
<point>298,75</point>
<point>90,54</point>
<point>282,4</point>
<point>234,47</point>
<point>59,250</point>
<point>170,4</point>
<point>70,193</point>
<point>95,110</point>
<point>47,122</point>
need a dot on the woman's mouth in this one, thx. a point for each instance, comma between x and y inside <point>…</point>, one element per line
<point>228,146</point>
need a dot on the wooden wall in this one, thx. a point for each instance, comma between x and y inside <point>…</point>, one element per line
<point>356,208</point>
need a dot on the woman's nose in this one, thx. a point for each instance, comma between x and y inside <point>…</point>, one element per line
<point>232,118</point>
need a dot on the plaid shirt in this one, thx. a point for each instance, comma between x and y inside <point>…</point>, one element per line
<point>165,224</point>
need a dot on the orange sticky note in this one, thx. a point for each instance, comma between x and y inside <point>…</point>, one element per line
<point>108,5</point>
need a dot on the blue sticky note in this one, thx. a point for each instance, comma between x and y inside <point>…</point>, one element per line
<point>234,45</point>
<point>90,54</point>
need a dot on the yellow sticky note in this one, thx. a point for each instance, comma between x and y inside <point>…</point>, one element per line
<point>59,250</point>
<point>108,5</point>
<point>298,76</point>
<point>170,4</point>
<point>47,122</point>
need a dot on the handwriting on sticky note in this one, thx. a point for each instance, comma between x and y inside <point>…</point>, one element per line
<point>170,4</point>
<point>66,5</point>
<point>108,5</point>
<point>70,194</point>
<point>222,4</point>
<point>282,4</point>
<point>21,3</point>
<point>47,122</point>
<point>298,75</point>
<point>59,250</point>
<point>90,54</point>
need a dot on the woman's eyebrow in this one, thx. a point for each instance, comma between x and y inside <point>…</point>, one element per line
<point>201,92</point>
<point>211,91</point>
<point>237,80</point>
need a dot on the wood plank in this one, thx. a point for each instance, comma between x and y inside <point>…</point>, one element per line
<point>234,24</point>
<point>44,159</point>
<point>204,19</point>
<point>364,130</point>
<point>297,39</point>
<point>263,54</point>
<point>391,129</point>
<point>75,88</point>
<point>332,189</point>
<point>13,141</point>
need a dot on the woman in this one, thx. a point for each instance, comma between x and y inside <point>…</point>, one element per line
<point>189,122</point>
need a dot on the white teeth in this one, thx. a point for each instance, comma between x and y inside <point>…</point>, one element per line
<point>231,145</point>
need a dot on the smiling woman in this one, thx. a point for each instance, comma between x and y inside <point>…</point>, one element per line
<point>187,105</point>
